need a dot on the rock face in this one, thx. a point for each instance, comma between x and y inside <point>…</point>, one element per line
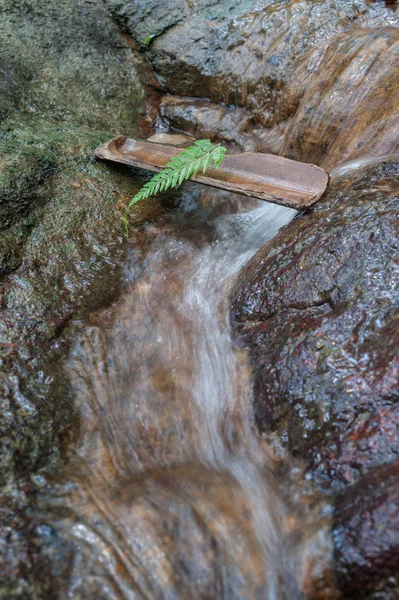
<point>315,81</point>
<point>58,221</point>
<point>240,53</point>
<point>328,129</point>
<point>317,308</point>
<point>366,532</point>
<point>205,119</point>
<point>284,72</point>
<point>68,82</point>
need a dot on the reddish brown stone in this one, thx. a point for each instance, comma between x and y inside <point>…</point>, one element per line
<point>366,533</point>
<point>318,310</point>
<point>351,105</point>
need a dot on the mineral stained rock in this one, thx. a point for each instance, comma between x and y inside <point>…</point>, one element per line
<point>328,129</point>
<point>312,80</point>
<point>366,533</point>
<point>318,310</point>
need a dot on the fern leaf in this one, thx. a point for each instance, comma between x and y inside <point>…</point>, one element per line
<point>187,163</point>
<point>175,179</point>
<point>198,165</point>
<point>206,163</point>
<point>204,144</point>
<point>218,159</point>
<point>184,174</point>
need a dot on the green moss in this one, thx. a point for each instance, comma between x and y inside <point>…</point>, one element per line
<point>66,61</point>
<point>68,82</point>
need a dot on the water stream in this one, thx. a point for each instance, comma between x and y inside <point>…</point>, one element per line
<point>171,493</point>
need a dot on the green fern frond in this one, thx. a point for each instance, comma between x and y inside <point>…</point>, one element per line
<point>187,163</point>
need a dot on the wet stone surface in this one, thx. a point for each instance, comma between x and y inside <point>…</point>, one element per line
<point>61,234</point>
<point>317,308</point>
<point>288,69</point>
<point>366,534</point>
<point>329,130</point>
<point>240,53</point>
<point>144,503</point>
<point>205,119</point>
<point>62,243</point>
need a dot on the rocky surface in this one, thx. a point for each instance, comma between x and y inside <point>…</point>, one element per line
<point>283,72</point>
<point>240,53</point>
<point>315,81</point>
<point>206,119</point>
<point>163,524</point>
<point>317,308</point>
<point>63,92</point>
<point>68,82</point>
<point>327,128</point>
<point>366,532</point>
<point>234,126</point>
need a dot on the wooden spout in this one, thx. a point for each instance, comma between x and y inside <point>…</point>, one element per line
<point>265,176</point>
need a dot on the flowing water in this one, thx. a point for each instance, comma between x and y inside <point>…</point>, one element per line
<point>171,492</point>
<point>168,491</point>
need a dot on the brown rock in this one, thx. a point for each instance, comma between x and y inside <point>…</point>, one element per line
<point>206,119</point>
<point>366,533</point>
<point>351,105</point>
<point>230,124</point>
<point>317,308</point>
<point>242,53</point>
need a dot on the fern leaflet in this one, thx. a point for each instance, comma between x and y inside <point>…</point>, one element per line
<point>187,163</point>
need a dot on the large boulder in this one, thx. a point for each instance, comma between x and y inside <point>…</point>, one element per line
<point>317,308</point>
<point>240,53</point>
<point>68,82</point>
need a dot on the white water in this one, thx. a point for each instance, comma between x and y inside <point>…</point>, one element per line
<point>167,430</point>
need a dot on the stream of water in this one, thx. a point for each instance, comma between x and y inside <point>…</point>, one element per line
<point>171,493</point>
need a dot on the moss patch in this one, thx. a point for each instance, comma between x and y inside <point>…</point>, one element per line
<point>68,82</point>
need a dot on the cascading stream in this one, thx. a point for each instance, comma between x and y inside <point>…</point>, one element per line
<point>174,494</point>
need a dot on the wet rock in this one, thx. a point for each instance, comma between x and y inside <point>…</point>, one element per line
<point>68,82</point>
<point>25,174</point>
<point>175,532</point>
<point>28,545</point>
<point>366,532</point>
<point>60,227</point>
<point>165,524</point>
<point>329,130</point>
<point>278,78</point>
<point>205,119</point>
<point>317,309</point>
<point>241,53</point>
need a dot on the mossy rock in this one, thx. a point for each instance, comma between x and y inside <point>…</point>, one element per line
<point>68,82</point>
